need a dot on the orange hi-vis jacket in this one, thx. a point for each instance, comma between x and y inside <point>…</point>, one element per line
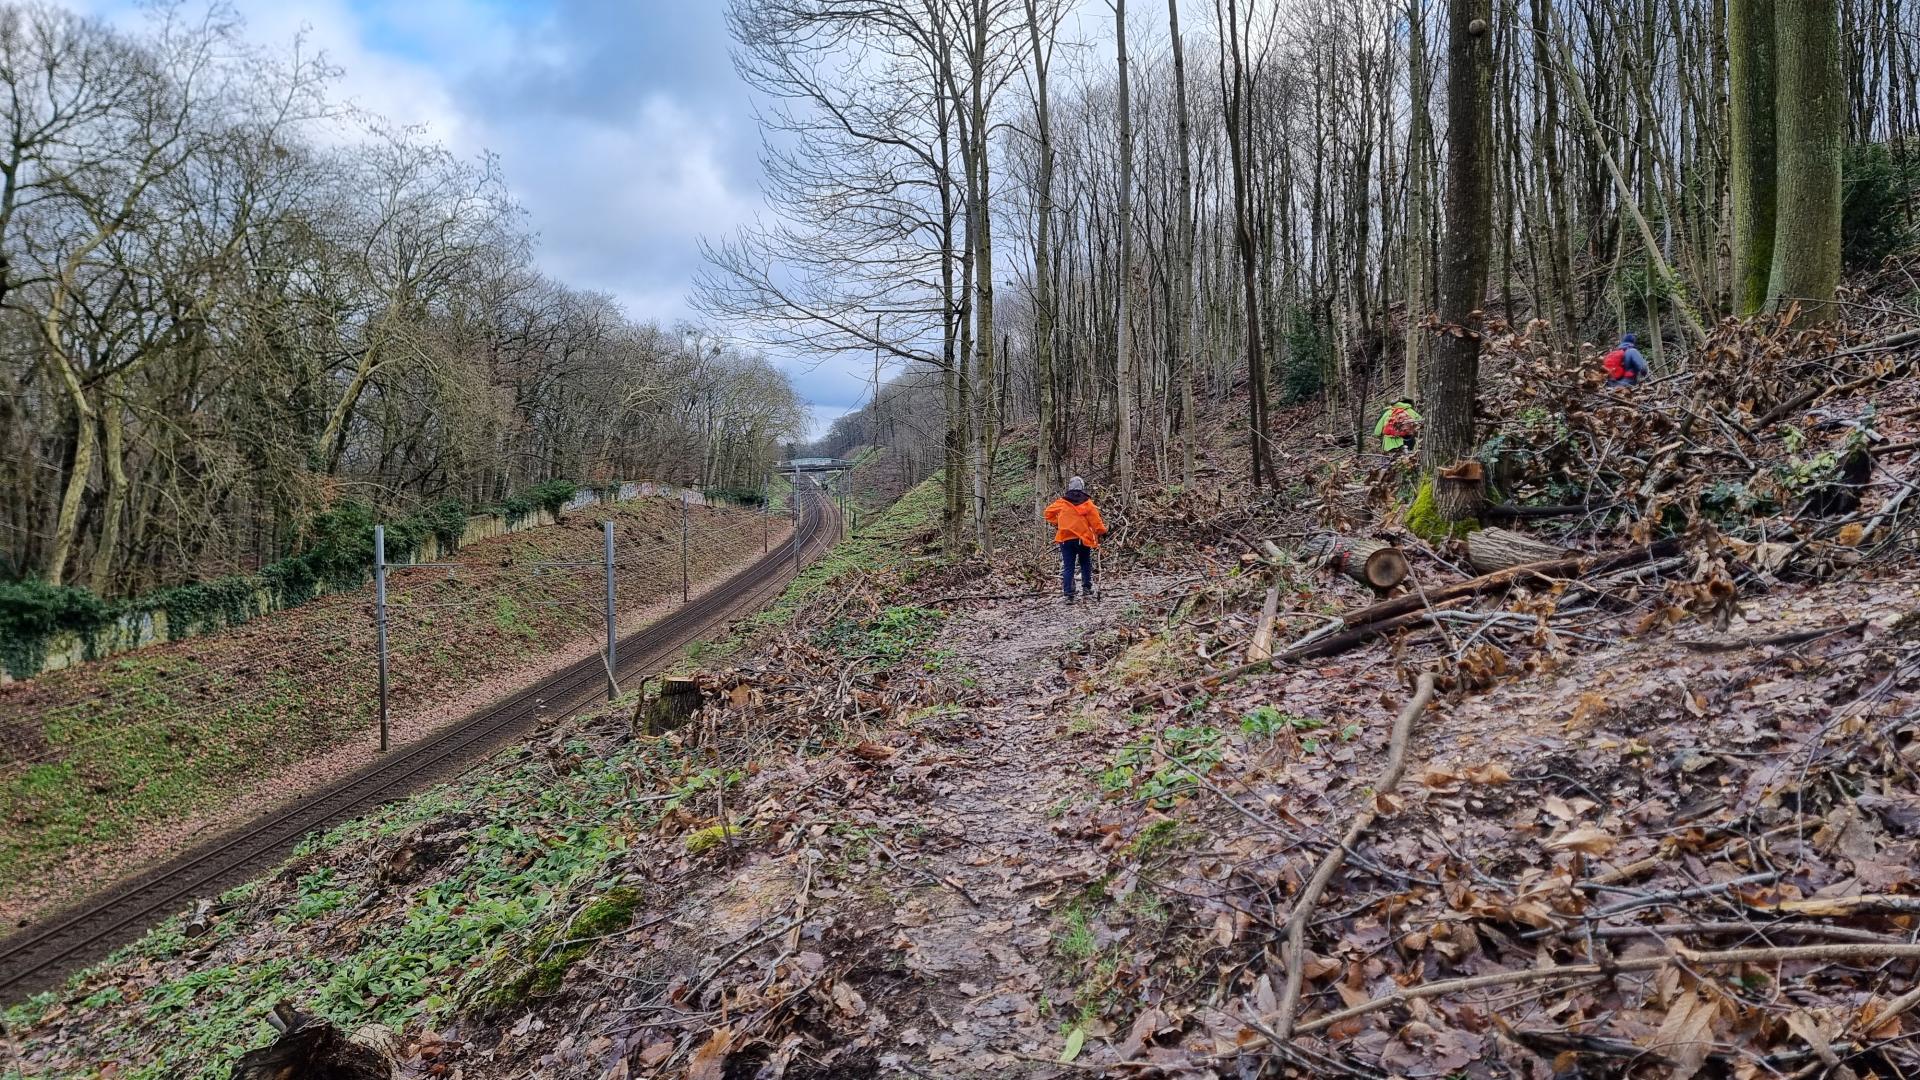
<point>1076,521</point>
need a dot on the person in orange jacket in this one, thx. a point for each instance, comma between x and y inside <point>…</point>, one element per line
<point>1077,529</point>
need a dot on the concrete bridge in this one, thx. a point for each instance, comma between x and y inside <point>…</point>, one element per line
<point>814,465</point>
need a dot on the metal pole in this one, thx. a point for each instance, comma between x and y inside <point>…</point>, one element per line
<point>613,645</point>
<point>796,519</point>
<point>766,518</point>
<point>380,620</point>
<point>683,547</point>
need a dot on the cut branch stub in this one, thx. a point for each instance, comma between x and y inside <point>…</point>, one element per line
<point>1498,549</point>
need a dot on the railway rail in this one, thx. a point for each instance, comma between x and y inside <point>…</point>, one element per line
<point>41,954</point>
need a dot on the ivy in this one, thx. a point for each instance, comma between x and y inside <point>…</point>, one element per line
<point>32,611</point>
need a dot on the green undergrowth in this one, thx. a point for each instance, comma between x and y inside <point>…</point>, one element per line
<point>532,880</point>
<point>116,767</point>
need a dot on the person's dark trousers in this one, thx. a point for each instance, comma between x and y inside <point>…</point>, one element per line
<point>1072,551</point>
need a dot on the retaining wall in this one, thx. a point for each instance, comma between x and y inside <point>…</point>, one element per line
<point>145,626</point>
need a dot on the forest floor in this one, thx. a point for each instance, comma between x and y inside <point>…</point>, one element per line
<point>117,765</point>
<point>1659,820</point>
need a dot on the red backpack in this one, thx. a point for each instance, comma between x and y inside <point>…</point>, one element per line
<point>1616,364</point>
<point>1399,424</point>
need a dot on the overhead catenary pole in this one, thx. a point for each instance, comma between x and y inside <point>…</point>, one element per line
<point>796,519</point>
<point>766,517</point>
<point>684,590</point>
<point>613,658</point>
<point>380,620</point>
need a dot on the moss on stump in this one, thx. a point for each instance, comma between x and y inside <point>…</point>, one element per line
<point>1425,521</point>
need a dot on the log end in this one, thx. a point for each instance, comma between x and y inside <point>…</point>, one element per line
<point>1386,568</point>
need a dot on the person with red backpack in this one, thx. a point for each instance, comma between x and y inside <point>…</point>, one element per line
<point>1398,427</point>
<point>1625,366</point>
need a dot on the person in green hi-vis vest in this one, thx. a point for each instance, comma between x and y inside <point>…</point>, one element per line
<point>1399,425</point>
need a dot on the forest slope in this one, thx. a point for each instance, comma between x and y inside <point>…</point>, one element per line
<point>932,822</point>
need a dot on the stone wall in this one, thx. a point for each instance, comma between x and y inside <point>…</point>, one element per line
<point>145,626</point>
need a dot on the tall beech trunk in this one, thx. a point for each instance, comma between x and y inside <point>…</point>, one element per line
<point>1810,112</point>
<point>1046,461</point>
<point>1467,244</point>
<point>1237,150</point>
<point>1123,329</point>
<point>983,291</point>
<point>1419,137</point>
<point>1183,314</point>
<point>1750,101</point>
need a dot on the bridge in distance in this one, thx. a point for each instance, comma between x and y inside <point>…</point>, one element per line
<point>814,465</point>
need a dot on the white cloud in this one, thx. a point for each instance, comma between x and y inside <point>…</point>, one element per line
<point>620,128</point>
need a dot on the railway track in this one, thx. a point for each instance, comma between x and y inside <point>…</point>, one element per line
<point>41,954</point>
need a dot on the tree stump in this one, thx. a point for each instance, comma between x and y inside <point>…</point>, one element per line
<point>677,703</point>
<point>310,1048</point>
<point>1460,491</point>
<point>1374,563</point>
<point>1496,549</point>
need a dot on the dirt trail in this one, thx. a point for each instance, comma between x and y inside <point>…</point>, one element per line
<point>968,919</point>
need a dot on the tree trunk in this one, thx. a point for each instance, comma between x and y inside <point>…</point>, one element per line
<point>1417,250</point>
<point>1046,469</point>
<point>983,293</point>
<point>1497,549</point>
<point>1123,329</point>
<point>1183,288</point>
<point>1810,109</point>
<point>113,464</point>
<point>1750,77</point>
<point>1243,236</point>
<point>1449,433</point>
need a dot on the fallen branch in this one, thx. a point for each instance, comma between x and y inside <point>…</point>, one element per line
<point>1875,951</point>
<point>1844,907</point>
<point>1309,897</point>
<point>1364,624</point>
<point>1808,396</point>
<point>1797,637</point>
<point>1262,647</point>
<point>1707,929</point>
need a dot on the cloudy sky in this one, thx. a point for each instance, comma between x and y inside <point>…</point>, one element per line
<point>620,125</point>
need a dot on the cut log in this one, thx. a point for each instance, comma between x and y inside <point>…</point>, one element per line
<point>1497,549</point>
<point>677,703</point>
<point>1460,490</point>
<point>1373,563</point>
